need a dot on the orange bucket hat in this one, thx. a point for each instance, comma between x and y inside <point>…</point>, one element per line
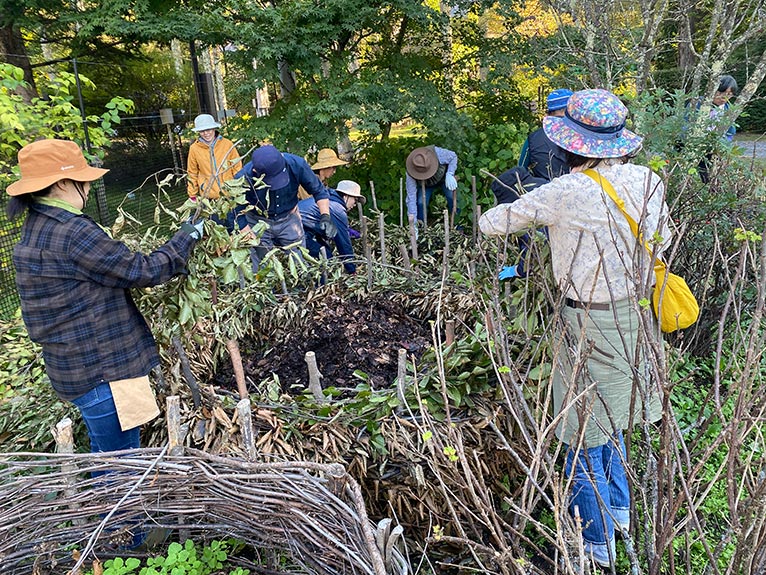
<point>45,162</point>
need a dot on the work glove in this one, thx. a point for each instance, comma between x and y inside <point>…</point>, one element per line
<point>326,227</point>
<point>194,229</point>
<point>509,272</point>
<point>353,234</point>
<point>450,182</point>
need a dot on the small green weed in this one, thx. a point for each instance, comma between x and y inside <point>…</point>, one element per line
<point>181,559</point>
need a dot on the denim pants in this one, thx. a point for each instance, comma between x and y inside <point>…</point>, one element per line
<point>601,493</point>
<point>100,416</point>
<point>449,194</point>
<point>287,231</point>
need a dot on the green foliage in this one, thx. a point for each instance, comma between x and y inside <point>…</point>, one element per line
<point>29,408</point>
<point>53,117</point>
<point>186,559</point>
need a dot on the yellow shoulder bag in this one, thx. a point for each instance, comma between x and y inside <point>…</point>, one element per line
<point>674,304</point>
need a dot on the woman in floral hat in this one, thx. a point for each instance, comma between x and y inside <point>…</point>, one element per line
<point>598,386</point>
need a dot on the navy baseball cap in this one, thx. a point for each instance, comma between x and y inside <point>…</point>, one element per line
<point>268,162</point>
<point>558,99</point>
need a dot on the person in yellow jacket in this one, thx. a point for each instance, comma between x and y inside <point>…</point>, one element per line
<point>213,159</point>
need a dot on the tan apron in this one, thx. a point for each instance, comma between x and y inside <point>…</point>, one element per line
<point>134,401</point>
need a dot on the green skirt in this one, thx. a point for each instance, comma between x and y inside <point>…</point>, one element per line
<point>598,373</point>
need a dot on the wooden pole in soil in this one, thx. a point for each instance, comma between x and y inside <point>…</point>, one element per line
<point>413,238</point>
<point>232,346</point>
<point>173,422</point>
<point>445,259</point>
<point>315,386</point>
<point>245,416</point>
<point>449,332</point>
<point>374,199</point>
<point>191,381</point>
<point>405,259</point>
<point>454,208</point>
<point>401,202</point>
<point>382,234</point>
<point>401,376</point>
<point>474,207</point>
<point>64,438</point>
<point>362,227</point>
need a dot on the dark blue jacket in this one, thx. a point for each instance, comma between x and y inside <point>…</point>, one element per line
<point>272,204</point>
<point>314,238</point>
<point>543,158</point>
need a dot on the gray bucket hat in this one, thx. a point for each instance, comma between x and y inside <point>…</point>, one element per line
<point>205,122</point>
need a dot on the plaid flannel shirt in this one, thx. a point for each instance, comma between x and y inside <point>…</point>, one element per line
<point>73,282</point>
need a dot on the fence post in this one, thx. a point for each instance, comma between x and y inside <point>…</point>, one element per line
<point>246,426</point>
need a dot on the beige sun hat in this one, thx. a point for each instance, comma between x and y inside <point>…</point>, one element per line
<point>350,188</point>
<point>45,162</point>
<point>327,158</point>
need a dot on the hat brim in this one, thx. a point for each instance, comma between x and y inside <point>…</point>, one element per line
<point>328,164</point>
<point>215,126</point>
<point>277,181</point>
<point>588,146</point>
<point>31,185</point>
<point>418,173</point>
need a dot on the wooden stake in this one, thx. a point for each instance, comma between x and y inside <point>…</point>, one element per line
<point>173,421</point>
<point>401,202</point>
<point>191,381</point>
<point>363,228</point>
<point>449,332</point>
<point>401,376</point>
<point>445,259</point>
<point>232,346</point>
<point>425,207</point>
<point>64,438</point>
<point>315,385</point>
<point>382,235</point>
<point>374,199</point>
<point>474,208</point>
<point>454,208</point>
<point>405,259</point>
<point>246,426</point>
<point>413,238</point>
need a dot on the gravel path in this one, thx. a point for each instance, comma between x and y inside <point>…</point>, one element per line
<point>748,146</point>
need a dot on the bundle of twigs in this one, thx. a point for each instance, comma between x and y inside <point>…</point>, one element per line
<point>50,506</point>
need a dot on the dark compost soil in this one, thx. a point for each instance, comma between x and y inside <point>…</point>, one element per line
<point>347,336</point>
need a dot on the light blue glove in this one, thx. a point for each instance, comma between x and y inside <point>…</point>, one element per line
<point>509,272</point>
<point>450,182</point>
<point>194,229</point>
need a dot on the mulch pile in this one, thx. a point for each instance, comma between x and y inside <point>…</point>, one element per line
<point>347,336</point>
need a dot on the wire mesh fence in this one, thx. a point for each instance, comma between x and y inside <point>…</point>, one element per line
<point>143,152</point>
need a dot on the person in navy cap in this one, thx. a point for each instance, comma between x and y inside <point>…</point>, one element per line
<point>539,155</point>
<point>273,178</point>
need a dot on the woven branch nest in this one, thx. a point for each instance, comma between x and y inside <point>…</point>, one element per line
<point>50,505</point>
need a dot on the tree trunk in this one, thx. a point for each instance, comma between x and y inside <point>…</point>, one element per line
<point>13,51</point>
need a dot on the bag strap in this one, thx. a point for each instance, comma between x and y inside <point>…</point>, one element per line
<point>609,189</point>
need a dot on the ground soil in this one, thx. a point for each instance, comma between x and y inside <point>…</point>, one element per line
<point>347,336</point>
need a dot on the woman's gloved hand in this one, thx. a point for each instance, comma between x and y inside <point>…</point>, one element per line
<point>194,229</point>
<point>450,182</point>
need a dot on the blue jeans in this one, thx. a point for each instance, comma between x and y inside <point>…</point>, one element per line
<point>100,416</point>
<point>601,493</point>
<point>283,232</point>
<point>449,194</point>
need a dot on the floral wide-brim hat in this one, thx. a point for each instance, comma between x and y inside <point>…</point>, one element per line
<point>593,126</point>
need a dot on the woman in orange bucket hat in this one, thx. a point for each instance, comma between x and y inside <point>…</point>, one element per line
<point>74,285</point>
